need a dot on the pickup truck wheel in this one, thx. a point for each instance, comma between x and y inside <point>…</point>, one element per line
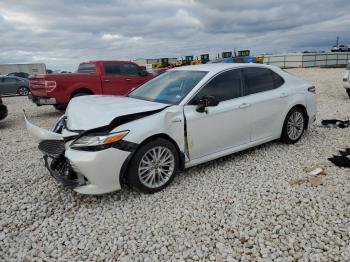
<point>348,91</point>
<point>80,94</point>
<point>153,166</point>
<point>60,107</point>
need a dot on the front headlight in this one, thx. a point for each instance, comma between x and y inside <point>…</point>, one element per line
<point>97,142</point>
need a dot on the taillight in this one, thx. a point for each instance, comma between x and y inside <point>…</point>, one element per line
<point>312,89</point>
<point>50,85</point>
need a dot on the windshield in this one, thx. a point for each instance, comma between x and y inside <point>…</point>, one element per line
<point>87,68</point>
<point>170,87</point>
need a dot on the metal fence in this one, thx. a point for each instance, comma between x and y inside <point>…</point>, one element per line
<point>308,60</point>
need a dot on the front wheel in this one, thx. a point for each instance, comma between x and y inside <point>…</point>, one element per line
<point>294,126</point>
<point>23,91</point>
<point>153,166</point>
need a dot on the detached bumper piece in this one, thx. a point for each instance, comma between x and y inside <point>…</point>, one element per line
<point>58,165</point>
<point>343,160</point>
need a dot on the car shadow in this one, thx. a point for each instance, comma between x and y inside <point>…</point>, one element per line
<point>6,123</point>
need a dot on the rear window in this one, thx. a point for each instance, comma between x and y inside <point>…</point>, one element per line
<point>259,79</point>
<point>87,68</point>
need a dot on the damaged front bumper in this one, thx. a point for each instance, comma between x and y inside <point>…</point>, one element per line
<point>85,172</point>
<point>58,165</point>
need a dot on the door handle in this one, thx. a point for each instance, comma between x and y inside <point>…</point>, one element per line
<point>106,80</point>
<point>127,79</point>
<point>283,95</point>
<point>244,105</point>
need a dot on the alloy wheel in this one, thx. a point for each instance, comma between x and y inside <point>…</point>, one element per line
<point>23,91</point>
<point>295,125</point>
<point>156,167</point>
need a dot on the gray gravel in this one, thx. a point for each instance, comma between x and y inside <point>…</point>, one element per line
<point>238,208</point>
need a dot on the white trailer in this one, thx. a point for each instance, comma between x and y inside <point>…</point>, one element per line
<point>38,68</point>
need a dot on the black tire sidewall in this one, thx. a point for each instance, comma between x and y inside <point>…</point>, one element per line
<point>284,137</point>
<point>132,174</point>
<point>80,94</point>
<point>60,107</point>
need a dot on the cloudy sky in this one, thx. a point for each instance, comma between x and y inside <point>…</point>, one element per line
<point>61,33</point>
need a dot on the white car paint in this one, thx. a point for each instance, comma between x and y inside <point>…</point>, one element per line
<point>346,77</point>
<point>229,127</point>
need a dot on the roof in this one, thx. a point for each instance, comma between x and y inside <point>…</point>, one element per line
<point>215,68</point>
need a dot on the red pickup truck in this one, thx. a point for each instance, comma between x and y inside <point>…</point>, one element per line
<point>94,77</point>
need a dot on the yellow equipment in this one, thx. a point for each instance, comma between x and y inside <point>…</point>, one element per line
<point>161,63</point>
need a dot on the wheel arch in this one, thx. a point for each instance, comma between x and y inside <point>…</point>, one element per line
<point>124,169</point>
<point>84,90</point>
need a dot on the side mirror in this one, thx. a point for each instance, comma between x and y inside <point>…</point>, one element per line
<point>206,101</point>
<point>143,73</point>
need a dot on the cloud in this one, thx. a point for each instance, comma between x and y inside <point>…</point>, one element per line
<point>62,33</point>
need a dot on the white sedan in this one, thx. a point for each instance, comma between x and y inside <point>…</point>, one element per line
<point>346,79</point>
<point>184,117</point>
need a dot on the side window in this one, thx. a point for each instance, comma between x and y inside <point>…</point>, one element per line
<point>258,80</point>
<point>277,79</point>
<point>112,69</point>
<point>9,80</point>
<point>226,86</point>
<point>130,69</point>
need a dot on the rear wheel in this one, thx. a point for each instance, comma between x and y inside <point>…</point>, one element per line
<point>23,91</point>
<point>80,94</point>
<point>60,107</point>
<point>294,126</point>
<point>153,166</point>
<point>348,91</point>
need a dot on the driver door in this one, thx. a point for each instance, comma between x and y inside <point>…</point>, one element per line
<point>221,127</point>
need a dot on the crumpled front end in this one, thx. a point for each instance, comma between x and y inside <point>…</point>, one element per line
<point>58,165</point>
<point>86,172</point>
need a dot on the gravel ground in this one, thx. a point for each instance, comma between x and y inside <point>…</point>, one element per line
<point>238,208</point>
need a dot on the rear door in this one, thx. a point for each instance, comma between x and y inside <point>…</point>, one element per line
<point>223,126</point>
<point>113,80</point>
<point>266,98</point>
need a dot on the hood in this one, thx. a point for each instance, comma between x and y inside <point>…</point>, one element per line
<point>93,111</point>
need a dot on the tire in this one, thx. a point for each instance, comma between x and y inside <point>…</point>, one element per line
<point>80,94</point>
<point>146,176</point>
<point>23,91</point>
<point>294,126</point>
<point>60,107</point>
<point>348,91</point>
